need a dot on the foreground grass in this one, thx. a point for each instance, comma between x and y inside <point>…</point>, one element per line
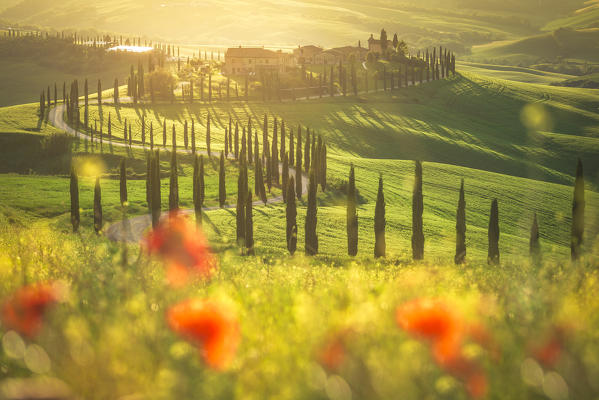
<point>110,338</point>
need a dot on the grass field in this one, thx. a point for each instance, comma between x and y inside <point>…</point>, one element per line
<point>289,311</point>
<point>530,164</point>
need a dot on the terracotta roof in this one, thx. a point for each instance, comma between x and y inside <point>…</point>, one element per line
<point>251,52</point>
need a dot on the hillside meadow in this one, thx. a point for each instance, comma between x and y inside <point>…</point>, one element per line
<point>329,326</point>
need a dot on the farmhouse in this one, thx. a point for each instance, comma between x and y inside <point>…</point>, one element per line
<point>340,54</point>
<point>250,60</point>
<point>376,45</point>
<point>306,54</point>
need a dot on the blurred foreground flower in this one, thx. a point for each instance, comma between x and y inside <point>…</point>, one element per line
<point>183,248</point>
<point>209,325</point>
<point>332,354</point>
<point>25,309</point>
<point>435,321</point>
<point>550,350</point>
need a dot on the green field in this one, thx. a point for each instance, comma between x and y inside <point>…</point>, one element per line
<point>504,130</point>
<point>528,166</point>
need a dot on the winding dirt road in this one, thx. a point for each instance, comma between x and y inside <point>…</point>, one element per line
<point>132,229</point>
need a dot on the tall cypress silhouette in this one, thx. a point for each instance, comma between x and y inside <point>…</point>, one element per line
<point>226,142</point>
<point>578,204</point>
<point>291,217</point>
<point>493,255</point>
<point>208,134</point>
<point>534,245</point>
<point>298,164</point>
<point>173,197</point>
<point>311,246</point>
<point>156,191</point>
<point>240,208</point>
<point>380,245</point>
<point>285,177</point>
<point>265,148</point>
<point>193,137</point>
<point>164,133</point>
<point>352,215</point>
<point>222,191</point>
<point>123,182</point>
<point>274,154</point>
<point>198,190</point>
<point>417,209</point>
<point>282,150</point>
<point>249,226</point>
<point>185,135</point>
<point>291,148</point>
<point>460,241</point>
<point>307,166</point>
<point>74,191</point>
<point>237,140</point>
<point>97,206</point>
<point>149,156</point>
<point>259,180</point>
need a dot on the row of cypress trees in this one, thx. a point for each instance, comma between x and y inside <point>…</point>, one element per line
<point>493,256</point>
<point>244,217</point>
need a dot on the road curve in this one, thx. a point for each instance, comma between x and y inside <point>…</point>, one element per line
<point>132,229</point>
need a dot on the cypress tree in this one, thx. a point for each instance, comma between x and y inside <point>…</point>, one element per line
<point>208,134</point>
<point>274,155</point>
<point>352,215</point>
<point>460,244</point>
<point>149,180</point>
<point>193,137</point>
<point>240,208</point>
<point>249,145</point>
<point>130,136</point>
<point>198,187</point>
<point>123,182</point>
<point>97,206</point>
<point>75,217</point>
<point>259,180</point>
<point>249,226</point>
<point>285,177</point>
<point>417,209</point>
<point>185,135</point>
<point>99,94</point>
<point>265,148</point>
<point>174,139</point>
<point>307,166</point>
<point>143,130</point>
<point>85,111</point>
<point>291,216</point>
<point>291,148</point>
<point>578,204</point>
<point>493,255</point>
<point>380,246</point>
<point>226,142</point>
<point>222,191</point>
<point>535,247</point>
<point>298,164</point>
<point>268,172</point>
<point>125,136</point>
<point>155,185</point>
<point>243,154</point>
<point>237,140</point>
<point>311,246</point>
<point>116,92</point>
<point>164,132</point>
<point>173,197</point>
<point>282,150</point>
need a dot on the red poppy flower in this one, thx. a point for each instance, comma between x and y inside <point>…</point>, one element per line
<point>208,325</point>
<point>435,321</point>
<point>24,310</point>
<point>550,351</point>
<point>333,353</point>
<point>183,247</point>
